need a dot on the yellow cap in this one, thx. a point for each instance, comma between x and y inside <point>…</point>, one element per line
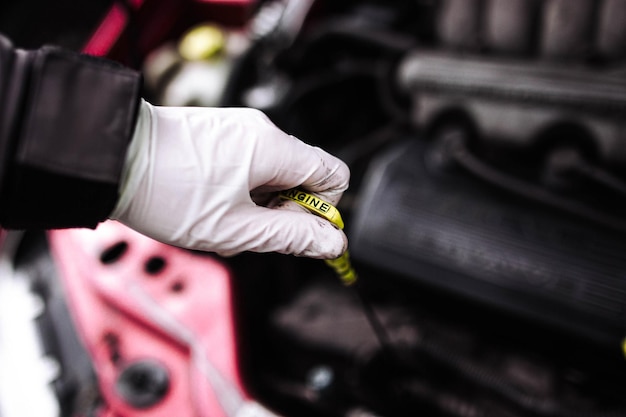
<point>201,42</point>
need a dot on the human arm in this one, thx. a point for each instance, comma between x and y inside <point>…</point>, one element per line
<point>71,126</point>
<point>65,122</point>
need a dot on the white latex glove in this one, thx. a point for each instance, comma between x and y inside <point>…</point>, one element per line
<point>191,175</point>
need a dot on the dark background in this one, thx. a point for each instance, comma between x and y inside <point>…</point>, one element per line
<point>68,23</point>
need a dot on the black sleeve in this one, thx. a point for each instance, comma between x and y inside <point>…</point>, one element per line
<point>65,123</point>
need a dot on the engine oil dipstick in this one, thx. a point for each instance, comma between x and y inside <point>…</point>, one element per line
<point>341,265</point>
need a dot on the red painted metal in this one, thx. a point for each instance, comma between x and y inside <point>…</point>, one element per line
<point>150,301</point>
<point>108,32</point>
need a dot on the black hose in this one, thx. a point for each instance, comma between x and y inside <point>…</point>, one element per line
<point>463,156</point>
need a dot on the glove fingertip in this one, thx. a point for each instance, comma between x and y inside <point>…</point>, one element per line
<point>329,243</point>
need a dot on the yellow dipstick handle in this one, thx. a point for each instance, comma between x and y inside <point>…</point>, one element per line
<point>316,205</point>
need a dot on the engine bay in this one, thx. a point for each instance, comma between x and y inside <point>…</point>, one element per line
<point>485,212</point>
<point>491,254</point>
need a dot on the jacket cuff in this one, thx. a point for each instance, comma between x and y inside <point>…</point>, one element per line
<point>78,117</point>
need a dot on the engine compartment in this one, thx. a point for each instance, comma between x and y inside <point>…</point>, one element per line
<point>491,259</point>
<point>485,212</point>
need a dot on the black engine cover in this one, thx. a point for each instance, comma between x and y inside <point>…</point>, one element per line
<point>442,227</point>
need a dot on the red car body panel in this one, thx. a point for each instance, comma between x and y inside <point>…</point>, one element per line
<point>146,301</point>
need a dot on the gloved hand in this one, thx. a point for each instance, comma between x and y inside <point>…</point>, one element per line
<point>202,178</point>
